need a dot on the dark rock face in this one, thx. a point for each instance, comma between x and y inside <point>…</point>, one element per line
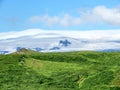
<point>110,50</point>
<point>64,43</point>
<point>38,49</point>
<point>4,52</point>
<point>23,50</point>
<point>18,48</point>
<point>54,48</point>
<point>35,49</point>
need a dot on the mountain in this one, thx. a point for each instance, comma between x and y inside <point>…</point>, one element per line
<point>40,44</point>
<point>59,41</point>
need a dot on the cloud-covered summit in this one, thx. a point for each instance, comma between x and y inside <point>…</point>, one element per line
<point>60,40</point>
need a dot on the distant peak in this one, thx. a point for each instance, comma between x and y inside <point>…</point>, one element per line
<point>23,50</point>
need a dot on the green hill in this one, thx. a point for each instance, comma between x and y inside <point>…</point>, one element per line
<point>30,70</point>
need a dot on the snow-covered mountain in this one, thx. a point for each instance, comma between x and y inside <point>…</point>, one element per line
<point>49,41</point>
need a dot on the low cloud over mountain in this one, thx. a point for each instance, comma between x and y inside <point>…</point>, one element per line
<point>55,40</point>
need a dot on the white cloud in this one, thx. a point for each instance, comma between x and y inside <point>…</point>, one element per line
<point>15,34</point>
<point>91,35</point>
<point>65,20</point>
<point>68,20</point>
<point>45,19</point>
<point>99,14</point>
<point>35,19</point>
<point>108,15</point>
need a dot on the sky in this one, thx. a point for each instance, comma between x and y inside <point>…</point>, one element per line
<point>81,15</point>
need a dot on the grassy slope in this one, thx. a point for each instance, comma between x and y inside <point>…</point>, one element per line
<point>60,71</point>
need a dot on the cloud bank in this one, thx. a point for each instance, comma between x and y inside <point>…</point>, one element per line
<point>99,14</point>
<point>46,39</point>
<point>90,34</point>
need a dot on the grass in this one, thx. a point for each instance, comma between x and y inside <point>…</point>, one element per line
<point>86,70</point>
<point>47,68</point>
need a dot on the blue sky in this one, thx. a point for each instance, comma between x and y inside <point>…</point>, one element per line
<point>16,15</point>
